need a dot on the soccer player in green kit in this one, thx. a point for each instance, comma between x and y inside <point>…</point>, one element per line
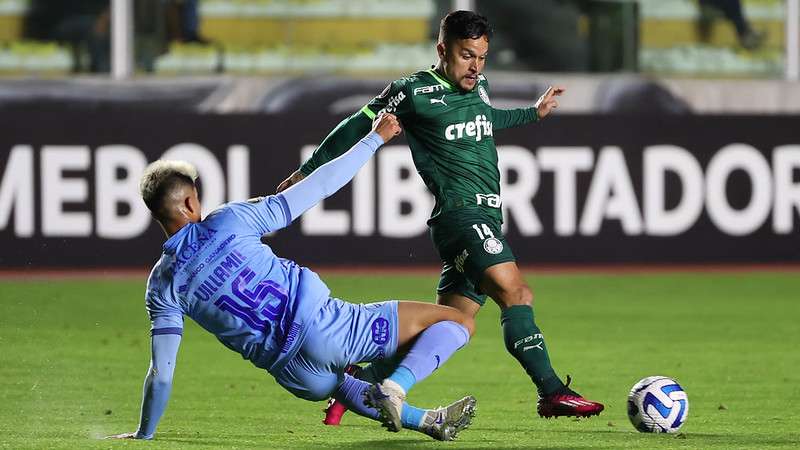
<point>449,123</point>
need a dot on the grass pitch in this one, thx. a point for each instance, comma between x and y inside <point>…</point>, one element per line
<point>73,355</point>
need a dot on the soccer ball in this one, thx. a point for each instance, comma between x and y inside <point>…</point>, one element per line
<point>657,405</point>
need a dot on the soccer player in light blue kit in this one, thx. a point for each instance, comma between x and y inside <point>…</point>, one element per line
<point>279,315</point>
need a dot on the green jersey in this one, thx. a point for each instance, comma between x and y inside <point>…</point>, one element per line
<point>450,133</point>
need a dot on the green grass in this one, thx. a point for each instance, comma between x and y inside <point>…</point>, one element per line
<point>73,355</point>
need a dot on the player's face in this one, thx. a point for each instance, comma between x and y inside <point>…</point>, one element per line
<point>464,61</point>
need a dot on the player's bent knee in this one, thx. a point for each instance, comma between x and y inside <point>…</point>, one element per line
<point>319,391</point>
<point>520,295</point>
<point>527,296</point>
<point>469,323</point>
<point>464,319</point>
<point>309,386</point>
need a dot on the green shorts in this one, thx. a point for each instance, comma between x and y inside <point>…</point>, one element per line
<point>469,241</point>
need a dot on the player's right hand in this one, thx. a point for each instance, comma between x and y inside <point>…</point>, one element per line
<point>387,126</point>
<point>293,179</point>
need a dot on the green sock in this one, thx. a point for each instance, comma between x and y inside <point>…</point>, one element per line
<point>380,369</point>
<point>525,342</point>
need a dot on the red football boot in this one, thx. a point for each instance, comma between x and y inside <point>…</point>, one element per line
<point>567,402</point>
<point>335,410</point>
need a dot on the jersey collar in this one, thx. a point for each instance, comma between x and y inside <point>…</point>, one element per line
<point>172,243</point>
<point>441,80</point>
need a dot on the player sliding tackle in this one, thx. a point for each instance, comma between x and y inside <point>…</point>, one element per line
<point>279,315</point>
<point>450,124</point>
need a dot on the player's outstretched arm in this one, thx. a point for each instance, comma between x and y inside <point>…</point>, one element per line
<point>394,99</point>
<point>157,385</point>
<point>330,177</point>
<point>507,118</point>
<point>267,214</point>
<point>342,138</point>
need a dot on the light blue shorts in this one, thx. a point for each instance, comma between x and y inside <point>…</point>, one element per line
<point>342,334</point>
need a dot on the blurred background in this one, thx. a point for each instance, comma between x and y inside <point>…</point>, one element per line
<point>707,38</point>
<point>90,90</point>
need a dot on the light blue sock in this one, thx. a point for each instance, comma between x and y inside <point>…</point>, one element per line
<point>404,377</point>
<point>433,347</point>
<point>351,394</point>
<point>411,416</point>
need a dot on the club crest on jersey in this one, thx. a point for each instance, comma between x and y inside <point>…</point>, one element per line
<point>493,246</point>
<point>380,331</point>
<point>484,95</point>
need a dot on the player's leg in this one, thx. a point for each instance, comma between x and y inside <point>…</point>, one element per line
<point>455,289</point>
<point>346,333</point>
<point>460,302</point>
<point>309,378</point>
<point>478,261</point>
<point>523,338</point>
<point>415,318</point>
<point>451,286</point>
<point>381,369</point>
<point>432,333</point>
<point>442,423</point>
<point>525,341</point>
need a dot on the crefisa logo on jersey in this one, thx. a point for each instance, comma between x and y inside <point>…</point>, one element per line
<point>493,246</point>
<point>484,95</point>
<point>391,106</point>
<point>380,331</point>
<point>478,128</point>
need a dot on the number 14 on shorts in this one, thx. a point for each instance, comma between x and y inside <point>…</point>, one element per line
<point>483,230</point>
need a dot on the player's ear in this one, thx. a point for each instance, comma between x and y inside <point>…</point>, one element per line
<point>192,204</point>
<point>188,204</point>
<point>441,49</point>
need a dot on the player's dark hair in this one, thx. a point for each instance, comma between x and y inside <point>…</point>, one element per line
<point>463,25</point>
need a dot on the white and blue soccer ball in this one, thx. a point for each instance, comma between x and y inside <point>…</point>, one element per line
<point>658,405</point>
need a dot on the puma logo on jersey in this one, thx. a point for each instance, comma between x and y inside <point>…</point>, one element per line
<point>478,128</point>
<point>438,100</point>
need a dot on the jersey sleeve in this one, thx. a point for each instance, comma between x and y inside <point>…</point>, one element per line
<point>157,383</point>
<point>329,178</point>
<point>508,118</point>
<point>263,215</point>
<point>393,99</point>
<point>166,317</point>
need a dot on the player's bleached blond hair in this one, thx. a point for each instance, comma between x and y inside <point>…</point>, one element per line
<point>162,178</point>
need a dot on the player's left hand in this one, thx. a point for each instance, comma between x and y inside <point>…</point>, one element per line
<point>547,102</point>
<point>293,179</point>
<point>122,436</point>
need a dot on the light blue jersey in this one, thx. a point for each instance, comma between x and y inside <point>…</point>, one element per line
<point>220,274</point>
